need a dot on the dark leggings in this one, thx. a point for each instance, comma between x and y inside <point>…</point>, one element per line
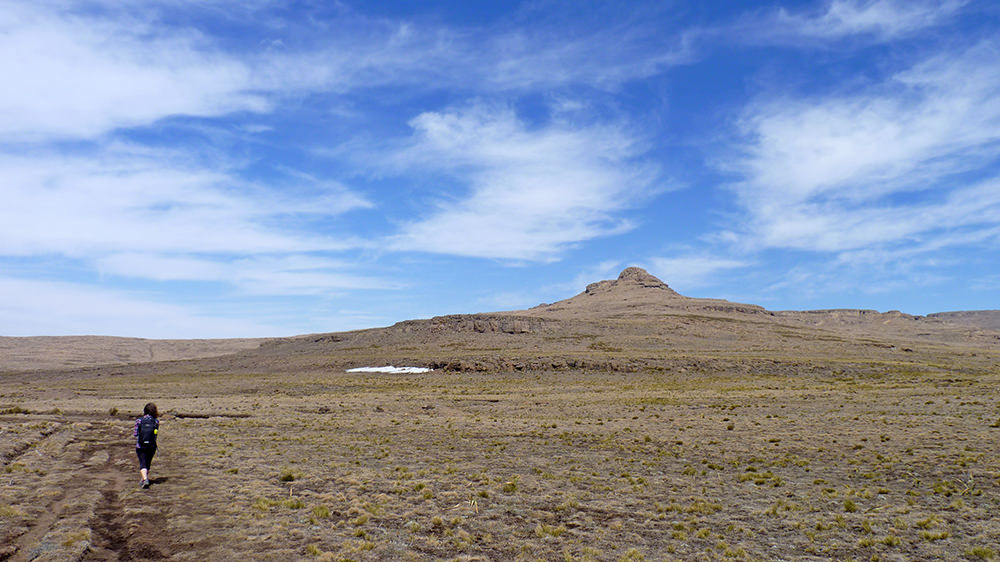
<point>145,455</point>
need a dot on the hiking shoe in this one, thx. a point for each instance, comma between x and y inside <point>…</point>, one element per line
<point>144,484</point>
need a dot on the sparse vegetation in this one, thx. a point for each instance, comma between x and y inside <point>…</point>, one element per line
<point>981,553</point>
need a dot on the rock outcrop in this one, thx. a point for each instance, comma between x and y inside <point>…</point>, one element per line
<point>477,323</point>
<point>631,277</point>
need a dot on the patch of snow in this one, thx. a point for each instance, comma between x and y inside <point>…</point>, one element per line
<point>390,369</point>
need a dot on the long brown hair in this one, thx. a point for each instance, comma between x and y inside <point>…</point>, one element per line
<point>150,410</point>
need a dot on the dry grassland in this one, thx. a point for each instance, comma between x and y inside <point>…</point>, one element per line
<point>861,462</point>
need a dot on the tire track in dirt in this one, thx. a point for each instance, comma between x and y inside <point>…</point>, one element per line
<point>12,456</point>
<point>109,538</point>
<point>16,551</point>
<point>100,470</point>
<point>118,535</point>
<point>26,546</point>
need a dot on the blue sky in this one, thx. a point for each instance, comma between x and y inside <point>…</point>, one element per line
<point>256,168</point>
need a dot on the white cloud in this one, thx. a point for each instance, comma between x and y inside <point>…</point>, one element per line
<point>689,271</point>
<point>142,215</point>
<point>125,202</point>
<point>605,58</point>
<point>881,19</point>
<point>873,141</point>
<point>843,172</point>
<point>82,73</point>
<point>29,308</point>
<point>965,216</point>
<point>260,275</point>
<point>367,52</point>
<point>534,192</point>
<point>81,76</point>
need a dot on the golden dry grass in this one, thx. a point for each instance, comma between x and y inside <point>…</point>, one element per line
<point>874,462</point>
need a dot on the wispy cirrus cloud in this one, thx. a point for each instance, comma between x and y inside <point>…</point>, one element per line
<point>116,200</point>
<point>694,270</point>
<point>138,215</point>
<point>126,66</point>
<point>605,57</point>
<point>286,274</point>
<point>874,20</point>
<point>511,56</point>
<point>835,173</point>
<point>533,192</point>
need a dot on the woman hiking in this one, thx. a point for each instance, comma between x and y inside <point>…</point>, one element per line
<point>146,429</point>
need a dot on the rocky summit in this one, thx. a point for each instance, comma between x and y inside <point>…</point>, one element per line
<point>631,277</point>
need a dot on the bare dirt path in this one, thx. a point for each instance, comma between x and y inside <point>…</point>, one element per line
<point>109,540</point>
<point>79,480</point>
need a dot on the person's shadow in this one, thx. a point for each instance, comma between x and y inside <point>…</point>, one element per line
<point>159,480</point>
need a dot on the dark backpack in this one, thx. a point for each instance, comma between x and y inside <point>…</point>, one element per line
<point>148,427</point>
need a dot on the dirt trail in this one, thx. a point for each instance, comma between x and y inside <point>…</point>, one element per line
<point>109,540</point>
<point>88,477</point>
